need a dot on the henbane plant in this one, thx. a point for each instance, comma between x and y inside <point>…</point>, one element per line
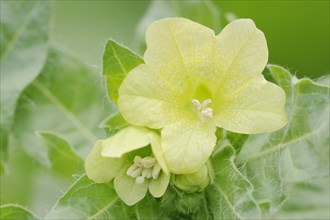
<point>191,82</point>
<point>195,126</point>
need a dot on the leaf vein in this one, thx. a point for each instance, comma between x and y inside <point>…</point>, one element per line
<point>19,31</point>
<point>60,106</point>
<point>118,60</point>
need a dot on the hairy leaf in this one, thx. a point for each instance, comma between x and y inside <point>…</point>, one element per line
<point>89,200</point>
<point>24,37</point>
<point>14,212</point>
<point>149,208</point>
<point>299,151</point>
<point>117,62</point>
<point>308,200</point>
<point>66,99</point>
<point>231,194</point>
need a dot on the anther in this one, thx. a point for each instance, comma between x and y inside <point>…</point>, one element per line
<point>148,162</point>
<point>197,104</point>
<point>147,173</point>
<point>144,168</point>
<point>137,159</point>
<point>156,171</point>
<point>139,180</point>
<point>136,172</point>
<point>208,112</point>
<point>204,112</point>
<point>131,169</point>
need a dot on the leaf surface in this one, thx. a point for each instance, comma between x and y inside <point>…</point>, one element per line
<point>64,161</point>
<point>308,200</point>
<point>114,123</point>
<point>231,193</point>
<point>14,212</point>
<point>296,153</point>
<point>89,200</point>
<point>66,99</point>
<point>24,36</point>
<point>117,62</point>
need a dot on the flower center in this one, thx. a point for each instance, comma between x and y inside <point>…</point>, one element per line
<point>142,168</point>
<point>204,112</point>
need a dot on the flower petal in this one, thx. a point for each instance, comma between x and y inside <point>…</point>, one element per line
<point>101,169</point>
<point>255,108</point>
<point>144,99</point>
<point>241,54</point>
<point>187,145</point>
<point>129,191</point>
<point>177,60</point>
<point>157,187</point>
<point>158,151</point>
<point>126,140</point>
<point>177,43</point>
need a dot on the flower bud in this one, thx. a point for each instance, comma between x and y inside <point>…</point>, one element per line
<point>194,182</point>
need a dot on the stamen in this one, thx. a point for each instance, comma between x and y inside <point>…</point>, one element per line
<point>206,102</point>
<point>139,180</point>
<point>208,112</point>
<point>131,169</point>
<point>148,162</point>
<point>204,112</point>
<point>156,171</point>
<point>137,159</point>
<point>136,172</point>
<point>144,168</point>
<point>147,173</point>
<point>197,104</point>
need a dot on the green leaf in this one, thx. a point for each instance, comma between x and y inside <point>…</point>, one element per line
<point>178,204</point>
<point>114,123</point>
<point>148,209</point>
<point>299,151</point>
<point>89,200</point>
<point>117,62</point>
<point>65,99</point>
<point>231,194</point>
<point>64,161</point>
<point>308,200</point>
<point>24,37</point>
<point>14,212</point>
<point>236,140</point>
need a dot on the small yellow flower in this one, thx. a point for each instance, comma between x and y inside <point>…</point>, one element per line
<point>135,167</point>
<point>193,81</point>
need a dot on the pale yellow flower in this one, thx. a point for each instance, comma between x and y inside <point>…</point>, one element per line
<point>194,81</point>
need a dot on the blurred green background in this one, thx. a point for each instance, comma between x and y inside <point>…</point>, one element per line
<point>297,31</point>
